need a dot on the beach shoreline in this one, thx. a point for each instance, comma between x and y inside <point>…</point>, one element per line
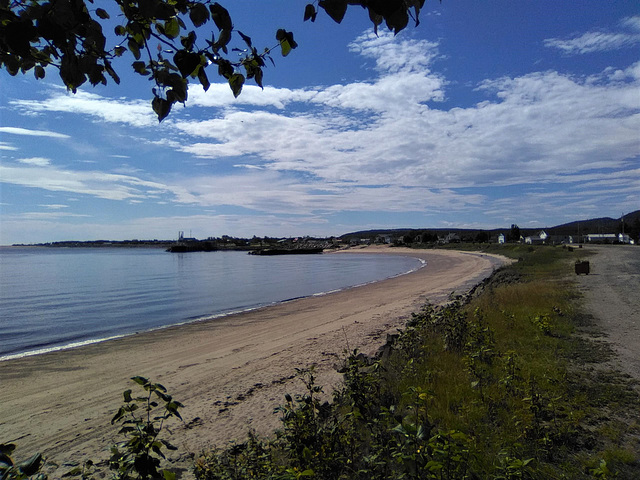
<point>229,373</point>
<point>43,347</point>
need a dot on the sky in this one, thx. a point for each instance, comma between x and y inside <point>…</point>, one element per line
<point>485,115</point>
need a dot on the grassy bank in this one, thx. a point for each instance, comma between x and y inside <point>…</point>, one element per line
<point>503,384</point>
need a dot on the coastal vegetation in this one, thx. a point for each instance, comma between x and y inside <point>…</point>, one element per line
<point>505,382</point>
<point>500,384</point>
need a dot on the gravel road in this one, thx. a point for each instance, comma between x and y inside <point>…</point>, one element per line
<point>612,295</point>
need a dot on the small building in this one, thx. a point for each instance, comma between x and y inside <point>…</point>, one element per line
<point>383,239</point>
<point>601,238</point>
<point>560,240</point>
<point>539,239</point>
<point>450,238</point>
<point>624,238</point>
<point>501,238</point>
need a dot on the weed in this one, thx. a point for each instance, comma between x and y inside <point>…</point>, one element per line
<point>9,470</point>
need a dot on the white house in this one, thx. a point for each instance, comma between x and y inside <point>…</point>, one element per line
<point>624,238</point>
<point>501,238</point>
<point>537,239</point>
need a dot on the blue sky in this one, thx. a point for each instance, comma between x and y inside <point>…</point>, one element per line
<point>487,114</point>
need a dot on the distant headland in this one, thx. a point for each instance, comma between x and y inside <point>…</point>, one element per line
<point>625,229</point>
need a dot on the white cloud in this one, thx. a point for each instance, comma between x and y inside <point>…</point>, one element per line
<point>32,133</point>
<point>219,95</point>
<point>54,206</point>
<point>93,183</point>
<point>133,112</point>
<point>539,126</point>
<point>6,146</point>
<point>393,55</point>
<point>37,161</point>
<point>47,215</point>
<point>599,41</point>
<point>632,23</point>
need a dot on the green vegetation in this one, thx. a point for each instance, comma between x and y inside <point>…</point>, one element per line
<point>490,386</point>
<point>504,383</point>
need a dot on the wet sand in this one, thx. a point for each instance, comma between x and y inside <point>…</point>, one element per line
<point>229,373</point>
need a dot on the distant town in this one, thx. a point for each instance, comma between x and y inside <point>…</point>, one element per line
<point>624,230</point>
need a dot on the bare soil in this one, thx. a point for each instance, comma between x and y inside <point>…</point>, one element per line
<point>611,294</point>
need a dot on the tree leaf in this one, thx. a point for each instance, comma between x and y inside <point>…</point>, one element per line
<point>162,108</point>
<point>202,76</point>
<point>221,17</point>
<point>336,9</point>
<point>140,380</point>
<point>258,77</point>
<point>118,415</point>
<point>198,14</point>
<point>246,39</point>
<point>225,69</point>
<point>102,13</point>
<point>168,475</point>
<point>223,40</point>
<point>39,72</point>
<point>172,28</point>
<point>188,41</point>
<point>112,73</point>
<point>287,43</point>
<point>134,48</point>
<point>186,62</point>
<point>140,67</point>
<point>178,91</point>
<point>310,13</point>
<point>398,20</point>
<point>70,72</point>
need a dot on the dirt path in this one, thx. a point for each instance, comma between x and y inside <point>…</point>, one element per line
<point>612,295</point>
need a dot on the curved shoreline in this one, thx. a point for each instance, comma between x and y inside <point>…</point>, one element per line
<point>228,373</point>
<point>42,350</point>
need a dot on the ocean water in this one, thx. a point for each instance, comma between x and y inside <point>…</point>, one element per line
<point>54,298</point>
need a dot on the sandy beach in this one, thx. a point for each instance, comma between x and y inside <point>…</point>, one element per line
<point>229,373</point>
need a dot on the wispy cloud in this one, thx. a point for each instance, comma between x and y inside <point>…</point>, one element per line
<point>48,215</point>
<point>599,41</point>
<point>37,161</point>
<point>6,146</point>
<point>93,183</point>
<point>132,112</point>
<point>54,206</point>
<point>32,133</point>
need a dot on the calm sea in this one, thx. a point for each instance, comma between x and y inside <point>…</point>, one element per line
<point>53,298</point>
